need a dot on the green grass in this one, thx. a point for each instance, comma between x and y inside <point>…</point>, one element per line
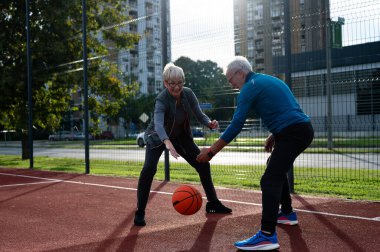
<point>343,183</point>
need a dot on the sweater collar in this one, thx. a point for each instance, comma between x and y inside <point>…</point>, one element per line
<point>249,76</point>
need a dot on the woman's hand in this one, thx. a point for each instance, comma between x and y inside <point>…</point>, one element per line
<point>171,148</point>
<point>269,143</point>
<point>213,124</point>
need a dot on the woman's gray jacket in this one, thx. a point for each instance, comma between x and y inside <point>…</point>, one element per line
<point>161,125</point>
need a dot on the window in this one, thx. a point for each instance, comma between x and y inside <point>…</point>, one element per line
<point>258,12</point>
<point>368,92</point>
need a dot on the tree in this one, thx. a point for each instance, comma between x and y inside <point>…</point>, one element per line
<point>56,45</point>
<point>209,83</point>
<point>135,107</point>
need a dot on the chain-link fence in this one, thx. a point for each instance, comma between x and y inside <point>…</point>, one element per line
<point>333,69</point>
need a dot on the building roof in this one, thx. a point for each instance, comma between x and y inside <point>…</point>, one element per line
<point>346,56</point>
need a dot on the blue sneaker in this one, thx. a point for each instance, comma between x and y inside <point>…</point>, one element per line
<point>287,219</point>
<point>259,242</point>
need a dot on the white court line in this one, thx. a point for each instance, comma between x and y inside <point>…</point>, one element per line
<point>167,193</point>
<point>26,184</point>
<point>80,183</point>
<point>309,211</point>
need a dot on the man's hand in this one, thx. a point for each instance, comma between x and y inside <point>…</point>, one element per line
<point>269,143</point>
<point>214,124</point>
<point>207,153</point>
<point>171,148</point>
<point>203,156</point>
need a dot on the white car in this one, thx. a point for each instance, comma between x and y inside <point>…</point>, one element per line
<point>62,135</point>
<point>81,136</point>
<point>140,139</point>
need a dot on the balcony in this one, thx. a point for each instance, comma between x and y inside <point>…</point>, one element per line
<point>149,24</point>
<point>133,14</point>
<point>149,11</point>
<point>259,36</point>
<point>132,4</point>
<point>259,55</point>
<point>259,46</point>
<point>277,25</point>
<point>149,2</point>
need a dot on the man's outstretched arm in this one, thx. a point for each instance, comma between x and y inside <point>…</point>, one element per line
<point>208,153</point>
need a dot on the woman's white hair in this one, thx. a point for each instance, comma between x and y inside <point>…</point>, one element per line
<point>239,63</point>
<point>173,72</point>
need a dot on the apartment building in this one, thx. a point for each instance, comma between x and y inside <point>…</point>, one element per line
<point>348,93</point>
<point>144,63</point>
<point>259,29</point>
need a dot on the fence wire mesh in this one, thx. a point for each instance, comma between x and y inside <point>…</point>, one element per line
<point>126,56</point>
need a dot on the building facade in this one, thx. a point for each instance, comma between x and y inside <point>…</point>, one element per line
<point>354,84</point>
<point>348,95</point>
<point>144,63</point>
<point>259,29</point>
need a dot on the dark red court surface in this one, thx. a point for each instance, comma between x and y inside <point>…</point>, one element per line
<point>48,211</point>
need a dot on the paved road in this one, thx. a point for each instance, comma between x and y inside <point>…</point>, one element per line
<point>354,161</point>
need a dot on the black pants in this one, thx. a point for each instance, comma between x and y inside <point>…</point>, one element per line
<point>188,150</point>
<point>289,143</point>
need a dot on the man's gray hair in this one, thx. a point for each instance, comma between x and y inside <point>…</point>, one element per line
<point>239,63</point>
<point>173,72</point>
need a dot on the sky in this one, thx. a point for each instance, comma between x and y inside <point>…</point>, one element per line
<point>203,29</point>
<point>362,20</point>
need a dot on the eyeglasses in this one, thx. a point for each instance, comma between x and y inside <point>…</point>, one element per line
<point>232,76</point>
<point>173,84</point>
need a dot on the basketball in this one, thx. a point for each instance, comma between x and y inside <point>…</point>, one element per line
<point>187,200</point>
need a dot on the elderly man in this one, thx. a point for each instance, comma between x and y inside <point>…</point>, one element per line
<point>291,133</point>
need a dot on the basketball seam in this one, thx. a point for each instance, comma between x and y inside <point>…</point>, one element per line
<point>191,196</point>
<point>195,194</point>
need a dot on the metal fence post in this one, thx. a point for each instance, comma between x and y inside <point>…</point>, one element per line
<point>165,59</point>
<point>328,76</point>
<point>85,87</point>
<point>288,71</point>
<point>30,90</point>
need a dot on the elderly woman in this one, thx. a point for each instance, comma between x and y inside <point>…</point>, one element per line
<point>170,129</point>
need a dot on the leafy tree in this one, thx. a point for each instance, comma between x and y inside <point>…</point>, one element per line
<point>135,107</point>
<point>56,46</point>
<point>209,83</point>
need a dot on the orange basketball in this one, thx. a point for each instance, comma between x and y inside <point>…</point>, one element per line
<point>187,200</point>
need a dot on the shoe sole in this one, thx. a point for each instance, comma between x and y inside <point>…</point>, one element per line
<point>288,222</point>
<point>140,224</point>
<point>216,212</point>
<point>260,247</point>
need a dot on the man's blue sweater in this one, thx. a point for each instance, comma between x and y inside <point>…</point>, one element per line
<point>271,100</point>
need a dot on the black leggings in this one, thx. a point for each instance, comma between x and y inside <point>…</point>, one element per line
<point>188,150</point>
<point>289,143</point>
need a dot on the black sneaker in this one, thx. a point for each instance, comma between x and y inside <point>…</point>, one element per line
<point>217,207</point>
<point>139,218</point>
